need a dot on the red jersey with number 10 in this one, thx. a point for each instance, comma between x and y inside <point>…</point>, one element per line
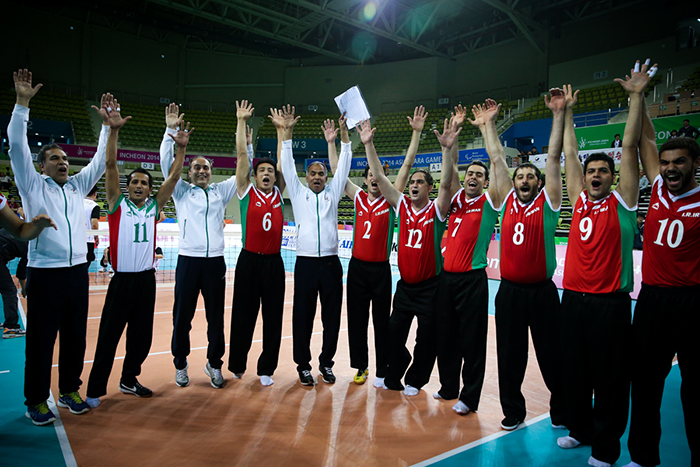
<point>374,228</point>
<point>262,219</point>
<point>672,238</point>
<point>528,254</point>
<point>419,241</point>
<point>599,254</point>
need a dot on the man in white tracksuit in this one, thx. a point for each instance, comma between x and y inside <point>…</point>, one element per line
<point>57,280</point>
<point>200,209</point>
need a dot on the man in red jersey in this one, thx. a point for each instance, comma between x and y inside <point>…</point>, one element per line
<point>670,294</point>
<point>259,270</point>
<point>463,321</point>
<point>527,296</point>
<point>598,277</point>
<point>421,225</point>
<point>369,272</point>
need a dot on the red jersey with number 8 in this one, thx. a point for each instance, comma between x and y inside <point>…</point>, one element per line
<point>419,241</point>
<point>599,254</point>
<point>262,219</point>
<point>373,229</point>
<point>672,238</point>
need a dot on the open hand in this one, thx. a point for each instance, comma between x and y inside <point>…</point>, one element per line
<point>330,132</point>
<point>571,98</point>
<point>113,112</point>
<point>366,131</point>
<point>449,134</point>
<point>173,117</point>
<point>183,136</point>
<point>244,110</point>
<point>101,110</point>
<point>23,86</point>
<point>638,79</point>
<point>418,120</point>
<point>557,101</point>
<point>44,221</point>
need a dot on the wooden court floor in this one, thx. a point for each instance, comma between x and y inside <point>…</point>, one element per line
<point>286,424</point>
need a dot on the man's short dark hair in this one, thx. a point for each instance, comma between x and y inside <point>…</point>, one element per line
<point>41,157</point>
<point>209,161</point>
<point>617,134</point>
<point>265,160</point>
<point>528,165</point>
<point>140,170</point>
<point>480,164</point>
<point>689,144</point>
<point>599,156</point>
<point>686,120</point>
<point>426,175</point>
<point>92,191</point>
<point>367,170</point>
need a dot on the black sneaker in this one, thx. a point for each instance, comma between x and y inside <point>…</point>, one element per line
<point>306,378</point>
<point>136,389</point>
<point>510,423</point>
<point>327,374</point>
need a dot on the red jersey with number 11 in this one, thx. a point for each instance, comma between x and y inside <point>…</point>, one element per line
<point>373,229</point>
<point>419,241</point>
<point>672,238</point>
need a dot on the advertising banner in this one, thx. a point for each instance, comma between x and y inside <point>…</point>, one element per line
<point>422,160</point>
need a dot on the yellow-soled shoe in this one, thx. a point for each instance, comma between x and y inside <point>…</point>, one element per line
<point>361,376</point>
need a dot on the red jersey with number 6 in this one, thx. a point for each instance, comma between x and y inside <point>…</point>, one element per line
<point>419,241</point>
<point>374,228</point>
<point>672,238</point>
<point>262,219</point>
<point>599,254</point>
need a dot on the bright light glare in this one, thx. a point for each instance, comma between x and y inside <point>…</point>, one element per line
<point>370,11</point>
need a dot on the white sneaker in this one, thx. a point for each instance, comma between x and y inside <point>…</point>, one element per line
<point>567,442</point>
<point>461,408</point>
<point>266,380</point>
<point>436,395</point>
<point>379,383</point>
<point>217,379</point>
<point>93,402</point>
<point>411,391</point>
<point>181,378</point>
<point>596,463</point>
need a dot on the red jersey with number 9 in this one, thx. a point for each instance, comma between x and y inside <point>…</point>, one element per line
<point>373,228</point>
<point>419,241</point>
<point>672,238</point>
<point>262,219</point>
<point>599,253</point>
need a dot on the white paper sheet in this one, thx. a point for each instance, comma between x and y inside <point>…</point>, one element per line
<point>353,104</point>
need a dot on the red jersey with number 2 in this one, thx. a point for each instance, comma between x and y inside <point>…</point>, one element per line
<point>419,241</point>
<point>672,238</point>
<point>374,228</point>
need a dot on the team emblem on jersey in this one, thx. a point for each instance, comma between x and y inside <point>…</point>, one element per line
<point>258,204</point>
<point>655,206</point>
<point>360,213</point>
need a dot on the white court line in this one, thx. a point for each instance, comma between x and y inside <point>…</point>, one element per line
<point>4,371</point>
<point>479,442</point>
<point>61,434</point>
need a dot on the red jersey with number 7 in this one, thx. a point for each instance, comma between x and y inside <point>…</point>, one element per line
<point>472,221</point>
<point>373,228</point>
<point>599,253</point>
<point>672,238</point>
<point>419,241</point>
<point>262,219</point>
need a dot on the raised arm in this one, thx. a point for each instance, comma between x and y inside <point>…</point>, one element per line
<point>330,132</point>
<point>448,139</point>
<point>340,177</point>
<point>573,167</point>
<point>289,121</point>
<point>628,185</point>
<point>500,183</point>
<point>244,111</point>
<point>181,139</point>
<point>391,194</point>
<point>285,156</point>
<point>417,123</point>
<point>115,122</point>
<point>648,151</point>
<point>557,104</point>
<point>23,230</point>
<point>20,154</point>
<point>173,118</point>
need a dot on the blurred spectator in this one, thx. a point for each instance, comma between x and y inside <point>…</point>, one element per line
<point>5,181</point>
<point>617,142</point>
<point>639,235</point>
<point>674,134</point>
<point>688,131</point>
<point>644,187</point>
<point>12,203</point>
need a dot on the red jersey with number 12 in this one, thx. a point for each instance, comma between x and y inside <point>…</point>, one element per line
<point>672,238</point>
<point>599,254</point>
<point>374,228</point>
<point>262,220</point>
<point>419,241</point>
